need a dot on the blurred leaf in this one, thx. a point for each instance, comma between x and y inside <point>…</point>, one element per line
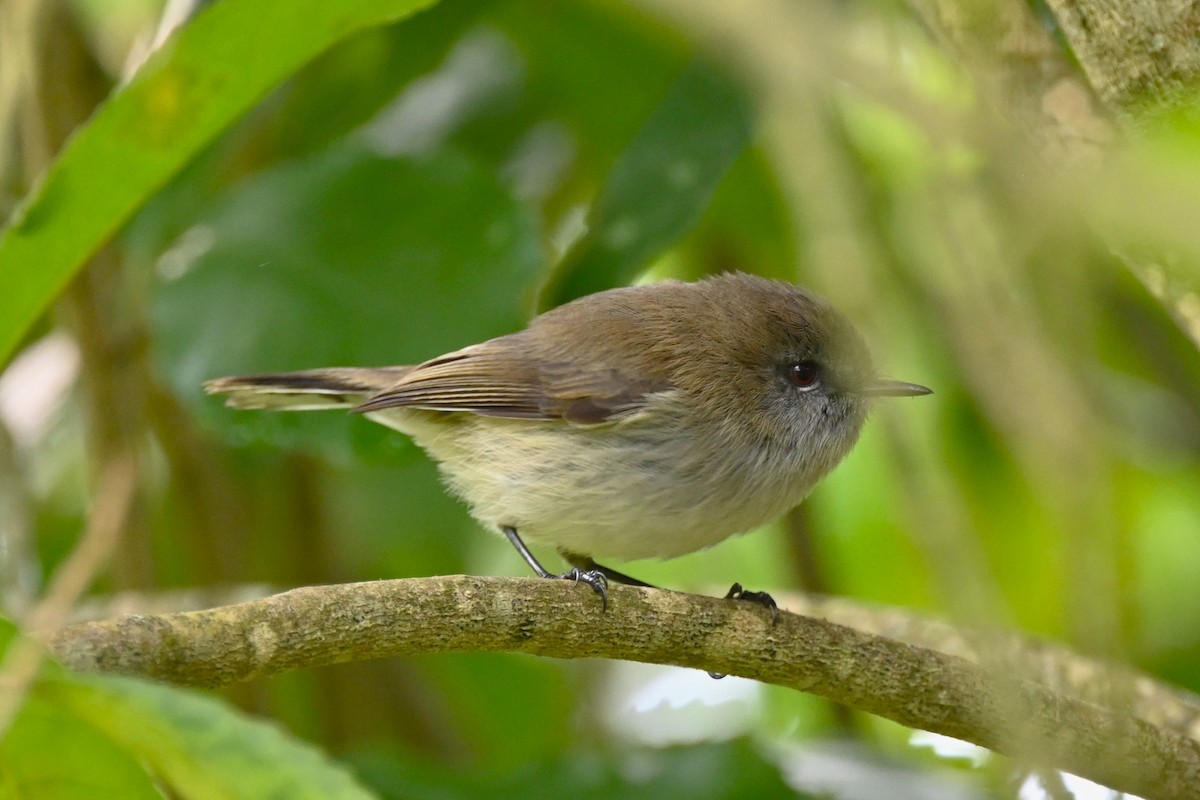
<point>662,183</point>
<point>34,760</point>
<point>8,632</point>
<point>397,521</point>
<point>201,748</point>
<point>724,771</point>
<point>1168,607</point>
<point>526,714</point>
<point>747,225</point>
<point>31,752</point>
<point>314,108</point>
<point>306,114</point>
<point>194,87</point>
<point>603,91</point>
<point>862,541</point>
<point>345,258</point>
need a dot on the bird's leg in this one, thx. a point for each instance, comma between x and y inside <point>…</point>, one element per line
<point>594,578</point>
<point>588,565</point>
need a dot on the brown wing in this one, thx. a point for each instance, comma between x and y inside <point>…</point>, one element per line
<point>503,378</point>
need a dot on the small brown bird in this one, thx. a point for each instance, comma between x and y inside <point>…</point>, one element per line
<point>648,421</point>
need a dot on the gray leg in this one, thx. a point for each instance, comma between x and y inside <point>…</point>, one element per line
<point>594,578</point>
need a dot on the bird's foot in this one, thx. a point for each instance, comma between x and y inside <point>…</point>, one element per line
<point>586,564</point>
<point>592,577</point>
<point>736,592</point>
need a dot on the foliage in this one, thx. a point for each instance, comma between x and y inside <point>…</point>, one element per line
<point>312,184</point>
<point>133,739</point>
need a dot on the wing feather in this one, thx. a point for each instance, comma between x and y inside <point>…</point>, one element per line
<point>505,378</point>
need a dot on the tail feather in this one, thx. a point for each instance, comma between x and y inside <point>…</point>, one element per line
<point>307,390</point>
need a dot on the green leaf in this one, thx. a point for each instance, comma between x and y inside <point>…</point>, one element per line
<point>527,714</point>
<point>345,258</point>
<point>201,748</point>
<point>31,751</point>
<point>211,73</point>
<point>602,92</point>
<point>659,187</point>
<point>310,112</point>
<point>8,633</point>
<point>34,761</point>
<point>721,771</point>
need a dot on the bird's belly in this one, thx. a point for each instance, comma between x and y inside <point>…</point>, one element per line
<point>629,530</point>
<point>627,491</point>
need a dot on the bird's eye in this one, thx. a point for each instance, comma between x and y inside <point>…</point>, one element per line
<point>804,374</point>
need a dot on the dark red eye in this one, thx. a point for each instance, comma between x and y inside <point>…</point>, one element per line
<point>804,374</point>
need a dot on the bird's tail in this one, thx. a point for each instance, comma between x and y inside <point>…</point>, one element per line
<point>308,390</point>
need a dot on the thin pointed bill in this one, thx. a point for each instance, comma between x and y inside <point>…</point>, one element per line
<point>887,388</point>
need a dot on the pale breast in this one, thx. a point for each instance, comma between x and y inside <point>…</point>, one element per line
<point>638,489</point>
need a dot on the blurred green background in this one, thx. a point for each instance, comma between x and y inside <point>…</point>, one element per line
<point>426,184</point>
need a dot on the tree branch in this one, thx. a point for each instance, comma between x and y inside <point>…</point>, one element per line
<point>1135,54</point>
<point>982,701</point>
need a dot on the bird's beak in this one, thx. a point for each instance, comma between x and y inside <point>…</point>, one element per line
<point>882,387</point>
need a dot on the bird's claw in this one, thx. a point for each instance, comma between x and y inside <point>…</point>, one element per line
<point>593,578</point>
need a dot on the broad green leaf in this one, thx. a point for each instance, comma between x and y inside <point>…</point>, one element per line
<point>32,761</point>
<point>659,187</point>
<point>211,73</point>
<point>345,258</point>
<point>49,754</point>
<point>201,748</point>
<point>308,113</point>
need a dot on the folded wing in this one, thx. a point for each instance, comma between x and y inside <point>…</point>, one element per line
<point>503,378</point>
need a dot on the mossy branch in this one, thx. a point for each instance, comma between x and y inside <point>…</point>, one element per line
<point>1022,699</point>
